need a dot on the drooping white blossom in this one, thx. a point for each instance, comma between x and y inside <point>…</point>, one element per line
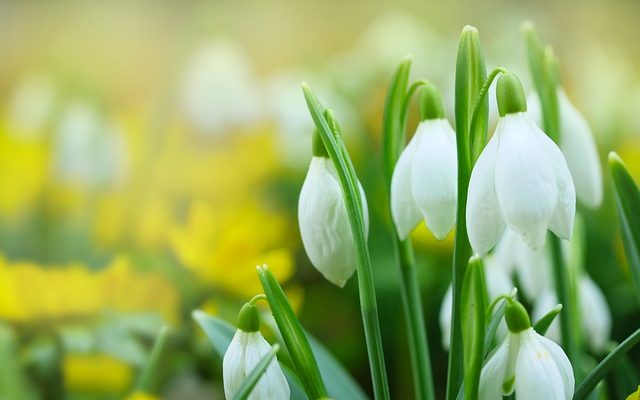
<point>424,182</point>
<point>520,180</point>
<point>529,364</point>
<point>578,146</point>
<point>324,224</point>
<point>243,354</point>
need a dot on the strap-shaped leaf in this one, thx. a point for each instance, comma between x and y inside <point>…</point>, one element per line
<point>149,377</point>
<point>610,361</point>
<point>543,324</point>
<point>628,205</point>
<point>220,334</point>
<point>256,373</point>
<point>473,325</point>
<point>293,336</point>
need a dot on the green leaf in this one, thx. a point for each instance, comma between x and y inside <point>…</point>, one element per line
<point>610,361</point>
<point>628,206</point>
<point>543,67</point>
<point>256,373</point>
<point>220,334</point>
<point>393,137</point>
<point>543,324</point>
<point>149,377</point>
<point>293,336</point>
<point>470,76</point>
<point>473,314</point>
<point>340,385</point>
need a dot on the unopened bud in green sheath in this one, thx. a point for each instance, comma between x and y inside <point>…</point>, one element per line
<point>249,318</point>
<point>318,146</point>
<point>431,104</point>
<point>516,316</point>
<point>510,95</point>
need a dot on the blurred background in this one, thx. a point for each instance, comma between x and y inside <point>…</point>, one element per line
<point>151,155</point>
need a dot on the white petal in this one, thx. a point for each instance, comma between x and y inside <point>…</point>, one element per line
<point>596,316</point>
<point>494,373</point>
<point>233,364</point>
<point>562,221</point>
<point>484,221</point>
<point>562,362</point>
<point>537,374</point>
<point>324,225</point>
<point>579,148</point>
<point>272,385</point>
<point>543,303</point>
<point>445,318</point>
<point>533,267</point>
<point>434,176</point>
<point>404,210</point>
<point>526,185</point>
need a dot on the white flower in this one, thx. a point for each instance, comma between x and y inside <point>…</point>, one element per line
<point>498,283</point>
<point>532,365</point>
<point>424,182</point>
<point>596,317</point>
<point>324,224</point>
<point>520,180</point>
<point>579,148</point>
<point>533,267</point>
<point>244,353</point>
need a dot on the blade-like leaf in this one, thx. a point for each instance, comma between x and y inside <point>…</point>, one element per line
<point>293,336</point>
<point>392,129</point>
<point>256,373</point>
<point>473,314</point>
<point>628,205</point>
<point>610,361</point>
<point>220,334</point>
<point>340,385</point>
<point>149,377</point>
<point>545,322</point>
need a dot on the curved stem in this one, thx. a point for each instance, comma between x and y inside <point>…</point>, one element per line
<point>477,146</point>
<point>257,298</point>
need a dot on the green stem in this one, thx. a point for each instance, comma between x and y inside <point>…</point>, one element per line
<point>414,315</point>
<point>602,369</point>
<point>562,281</point>
<point>149,377</point>
<point>368,304</point>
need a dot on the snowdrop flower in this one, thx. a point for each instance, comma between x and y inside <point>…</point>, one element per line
<point>579,148</point>
<point>533,267</point>
<point>324,224</point>
<point>527,363</point>
<point>246,350</point>
<point>219,89</point>
<point>424,182</point>
<point>520,180</point>
<point>498,283</point>
<point>596,317</point>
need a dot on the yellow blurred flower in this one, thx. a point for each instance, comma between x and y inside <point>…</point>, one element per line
<point>635,395</point>
<point>31,292</point>
<point>224,246</point>
<point>24,167</point>
<point>129,291</point>
<point>142,396</point>
<point>96,373</point>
